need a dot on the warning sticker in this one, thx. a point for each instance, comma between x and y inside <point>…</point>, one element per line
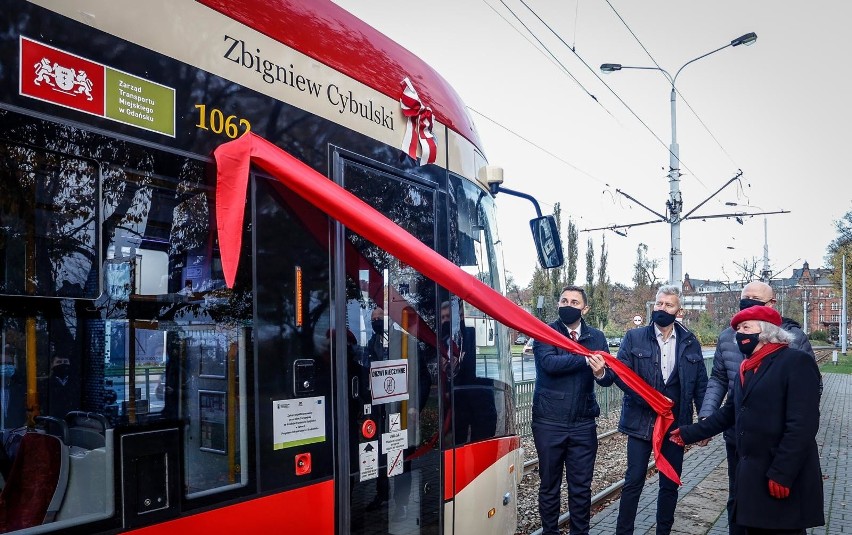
<point>389,380</point>
<point>368,460</point>
<point>396,440</point>
<point>394,421</point>
<point>394,463</point>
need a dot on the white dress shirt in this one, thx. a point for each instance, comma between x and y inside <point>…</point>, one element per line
<point>668,358</point>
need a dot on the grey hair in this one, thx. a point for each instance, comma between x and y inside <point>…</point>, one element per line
<point>669,289</point>
<point>773,334</point>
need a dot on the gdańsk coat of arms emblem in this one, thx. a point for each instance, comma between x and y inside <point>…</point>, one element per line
<point>64,79</point>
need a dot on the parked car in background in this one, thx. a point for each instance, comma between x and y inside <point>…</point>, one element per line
<point>521,339</point>
<point>613,341</point>
<point>528,350</point>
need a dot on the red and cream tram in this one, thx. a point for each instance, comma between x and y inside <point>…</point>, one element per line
<point>332,388</point>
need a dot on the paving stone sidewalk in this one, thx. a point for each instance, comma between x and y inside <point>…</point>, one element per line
<point>701,501</point>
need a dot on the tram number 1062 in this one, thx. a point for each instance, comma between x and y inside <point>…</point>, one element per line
<point>215,121</point>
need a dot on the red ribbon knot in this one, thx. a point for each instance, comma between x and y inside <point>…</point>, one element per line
<point>418,129</point>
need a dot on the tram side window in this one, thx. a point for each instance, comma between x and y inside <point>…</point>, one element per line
<point>48,223</point>
<point>175,346</point>
<point>482,388</point>
<point>57,446</point>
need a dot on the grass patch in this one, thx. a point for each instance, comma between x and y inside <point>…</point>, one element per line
<point>844,364</point>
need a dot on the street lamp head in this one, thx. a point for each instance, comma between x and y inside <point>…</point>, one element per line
<point>747,39</point>
<point>607,68</point>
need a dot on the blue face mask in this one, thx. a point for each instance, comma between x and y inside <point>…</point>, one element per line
<point>7,370</point>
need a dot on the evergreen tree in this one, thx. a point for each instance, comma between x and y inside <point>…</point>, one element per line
<point>573,253</point>
<point>590,273</point>
<point>601,299</point>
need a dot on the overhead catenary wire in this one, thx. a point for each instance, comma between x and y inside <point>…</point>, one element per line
<point>545,50</point>
<point>543,46</point>
<point>549,57</point>
<point>539,147</point>
<point>611,90</point>
<point>688,105</point>
<point>576,20</point>
<point>524,3</point>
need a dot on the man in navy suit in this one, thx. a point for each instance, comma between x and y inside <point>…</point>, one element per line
<point>668,357</point>
<point>564,412</point>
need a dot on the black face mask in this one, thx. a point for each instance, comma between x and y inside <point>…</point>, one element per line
<point>568,315</point>
<point>378,325</point>
<point>747,343</point>
<point>662,318</point>
<point>748,303</point>
<point>445,330</point>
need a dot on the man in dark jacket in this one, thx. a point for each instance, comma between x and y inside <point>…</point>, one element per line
<point>726,366</point>
<point>774,408</point>
<point>668,357</point>
<point>564,412</point>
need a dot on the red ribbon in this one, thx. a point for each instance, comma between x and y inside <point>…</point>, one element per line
<point>233,161</point>
<point>418,129</point>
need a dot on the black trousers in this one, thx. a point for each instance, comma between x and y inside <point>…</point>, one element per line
<point>572,448</point>
<point>638,455</point>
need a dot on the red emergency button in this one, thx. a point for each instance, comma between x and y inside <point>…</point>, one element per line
<point>368,429</point>
<point>303,464</point>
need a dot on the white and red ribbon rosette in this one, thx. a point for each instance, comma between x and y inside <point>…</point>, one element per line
<point>418,129</point>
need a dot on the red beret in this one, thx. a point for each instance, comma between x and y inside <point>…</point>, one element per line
<point>759,313</point>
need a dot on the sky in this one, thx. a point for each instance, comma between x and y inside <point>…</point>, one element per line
<point>778,110</point>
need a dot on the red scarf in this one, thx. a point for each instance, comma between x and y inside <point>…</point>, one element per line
<point>753,362</point>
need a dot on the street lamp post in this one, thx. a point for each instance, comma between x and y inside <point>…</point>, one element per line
<point>675,202</point>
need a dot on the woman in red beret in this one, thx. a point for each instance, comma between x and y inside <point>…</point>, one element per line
<point>774,409</point>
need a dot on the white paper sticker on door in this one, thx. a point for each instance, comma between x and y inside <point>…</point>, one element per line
<point>296,422</point>
<point>389,380</point>
<point>394,463</point>
<point>396,440</point>
<point>368,460</point>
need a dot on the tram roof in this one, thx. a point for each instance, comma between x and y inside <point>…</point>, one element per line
<point>331,35</point>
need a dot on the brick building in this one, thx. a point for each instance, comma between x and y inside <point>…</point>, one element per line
<point>807,293</point>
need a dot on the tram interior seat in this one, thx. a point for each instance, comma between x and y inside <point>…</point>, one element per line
<point>37,482</point>
<point>90,482</point>
<point>86,429</point>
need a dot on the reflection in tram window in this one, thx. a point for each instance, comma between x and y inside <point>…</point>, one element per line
<point>482,392</point>
<point>146,353</point>
<point>48,223</point>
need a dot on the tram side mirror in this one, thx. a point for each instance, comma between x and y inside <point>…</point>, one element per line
<point>547,242</point>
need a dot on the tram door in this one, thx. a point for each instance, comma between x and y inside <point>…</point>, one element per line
<point>391,373</point>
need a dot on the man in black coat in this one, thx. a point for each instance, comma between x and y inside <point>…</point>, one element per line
<point>668,357</point>
<point>774,408</point>
<point>564,412</point>
<point>726,366</point>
